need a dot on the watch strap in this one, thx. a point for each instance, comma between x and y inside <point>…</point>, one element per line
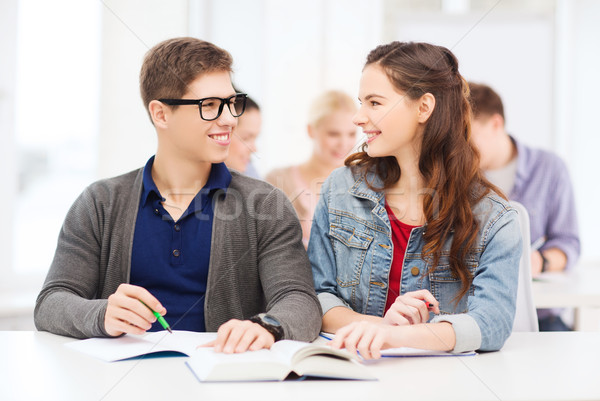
<point>544,262</point>
<point>275,330</point>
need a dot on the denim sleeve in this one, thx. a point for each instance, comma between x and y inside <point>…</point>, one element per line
<point>466,330</point>
<point>493,303</point>
<point>321,256</point>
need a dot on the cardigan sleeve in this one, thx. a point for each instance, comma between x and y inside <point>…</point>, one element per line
<point>66,303</point>
<point>92,258</point>
<point>285,271</point>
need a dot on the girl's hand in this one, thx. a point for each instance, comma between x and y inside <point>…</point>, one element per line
<point>365,337</point>
<point>411,308</point>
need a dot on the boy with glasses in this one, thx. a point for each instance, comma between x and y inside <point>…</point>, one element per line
<point>218,250</point>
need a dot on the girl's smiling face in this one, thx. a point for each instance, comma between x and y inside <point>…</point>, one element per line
<point>388,117</point>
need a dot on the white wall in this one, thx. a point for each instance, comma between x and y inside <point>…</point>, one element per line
<point>8,50</point>
<point>286,53</point>
<point>511,53</point>
<point>130,29</point>
<point>582,129</point>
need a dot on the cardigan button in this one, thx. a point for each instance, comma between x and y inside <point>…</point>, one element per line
<point>414,271</point>
<point>176,253</point>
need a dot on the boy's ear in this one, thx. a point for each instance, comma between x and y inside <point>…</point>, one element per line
<point>426,106</point>
<point>497,121</point>
<point>158,113</point>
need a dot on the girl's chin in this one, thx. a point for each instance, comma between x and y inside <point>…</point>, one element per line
<point>374,153</point>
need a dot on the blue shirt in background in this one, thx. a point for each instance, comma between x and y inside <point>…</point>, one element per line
<point>544,187</point>
<point>170,259</point>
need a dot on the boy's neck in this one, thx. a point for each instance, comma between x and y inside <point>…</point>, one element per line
<point>179,180</point>
<point>507,151</point>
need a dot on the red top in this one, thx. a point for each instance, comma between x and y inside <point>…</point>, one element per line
<point>400,236</point>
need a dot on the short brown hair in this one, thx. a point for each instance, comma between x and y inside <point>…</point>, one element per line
<point>170,66</point>
<point>485,101</point>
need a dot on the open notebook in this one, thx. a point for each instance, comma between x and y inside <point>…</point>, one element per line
<point>130,346</point>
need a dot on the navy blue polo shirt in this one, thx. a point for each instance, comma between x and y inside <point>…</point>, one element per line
<point>170,259</point>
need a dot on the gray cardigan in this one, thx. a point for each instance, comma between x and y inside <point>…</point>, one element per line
<point>257,260</point>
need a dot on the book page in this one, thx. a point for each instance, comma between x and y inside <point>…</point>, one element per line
<point>295,351</point>
<point>325,366</point>
<point>129,346</point>
<point>263,364</point>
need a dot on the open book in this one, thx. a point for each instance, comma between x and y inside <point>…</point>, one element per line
<point>130,346</point>
<point>284,358</point>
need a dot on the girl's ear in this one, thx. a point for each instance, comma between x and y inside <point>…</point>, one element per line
<point>158,113</point>
<point>426,105</point>
<point>310,131</point>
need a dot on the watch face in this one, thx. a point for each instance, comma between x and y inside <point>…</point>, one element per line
<point>272,321</point>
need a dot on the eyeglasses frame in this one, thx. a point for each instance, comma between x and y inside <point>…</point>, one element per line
<point>198,102</point>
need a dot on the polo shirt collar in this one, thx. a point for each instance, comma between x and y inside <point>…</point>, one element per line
<point>218,179</point>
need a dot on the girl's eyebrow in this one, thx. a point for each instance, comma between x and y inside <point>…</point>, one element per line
<point>372,95</point>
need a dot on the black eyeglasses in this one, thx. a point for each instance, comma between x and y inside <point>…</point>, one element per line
<point>212,107</point>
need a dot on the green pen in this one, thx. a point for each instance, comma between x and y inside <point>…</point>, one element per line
<point>160,319</point>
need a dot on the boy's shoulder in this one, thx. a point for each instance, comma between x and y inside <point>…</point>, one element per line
<point>246,185</point>
<point>119,180</point>
<point>117,185</point>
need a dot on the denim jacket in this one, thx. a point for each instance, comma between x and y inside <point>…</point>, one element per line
<point>350,250</point>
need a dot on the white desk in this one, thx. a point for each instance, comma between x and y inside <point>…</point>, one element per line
<point>577,289</point>
<point>531,366</point>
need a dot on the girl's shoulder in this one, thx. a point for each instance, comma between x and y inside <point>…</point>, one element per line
<point>491,208</point>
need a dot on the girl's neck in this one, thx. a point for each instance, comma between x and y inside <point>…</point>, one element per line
<point>405,197</point>
<point>411,179</point>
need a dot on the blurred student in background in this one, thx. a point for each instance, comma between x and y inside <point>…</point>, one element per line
<point>536,178</point>
<point>333,134</point>
<point>243,141</point>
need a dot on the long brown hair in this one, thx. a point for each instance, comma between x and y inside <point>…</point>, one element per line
<point>449,162</point>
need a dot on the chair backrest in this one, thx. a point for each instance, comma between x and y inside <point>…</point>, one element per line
<point>526,315</point>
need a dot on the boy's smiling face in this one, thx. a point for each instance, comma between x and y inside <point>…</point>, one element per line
<point>186,135</point>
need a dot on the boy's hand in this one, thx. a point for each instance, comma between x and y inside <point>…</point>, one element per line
<point>237,336</point>
<point>126,314</point>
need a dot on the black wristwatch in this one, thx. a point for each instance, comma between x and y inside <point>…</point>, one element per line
<point>270,324</point>
<point>544,262</point>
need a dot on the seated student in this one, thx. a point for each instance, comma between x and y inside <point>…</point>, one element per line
<point>243,140</point>
<point>333,134</point>
<point>536,178</point>
<point>214,248</point>
<point>410,220</point>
